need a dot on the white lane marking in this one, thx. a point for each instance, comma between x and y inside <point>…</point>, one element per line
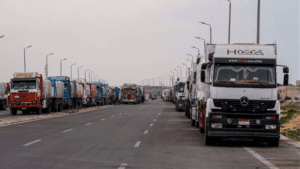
<point>112,115</point>
<point>146,132</point>
<point>260,158</point>
<point>4,125</point>
<point>154,120</point>
<point>88,124</point>
<point>103,119</point>
<point>31,142</point>
<point>120,113</point>
<point>156,116</point>
<point>122,166</point>
<point>67,130</point>
<point>151,124</point>
<point>137,144</point>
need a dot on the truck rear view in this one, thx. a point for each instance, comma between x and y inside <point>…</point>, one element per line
<point>129,93</point>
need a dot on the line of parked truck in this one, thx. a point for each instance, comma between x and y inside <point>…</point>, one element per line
<point>29,92</point>
<point>231,93</point>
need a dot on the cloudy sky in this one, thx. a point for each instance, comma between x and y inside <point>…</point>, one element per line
<point>131,40</point>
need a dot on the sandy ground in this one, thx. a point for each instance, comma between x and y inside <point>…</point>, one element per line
<point>22,118</point>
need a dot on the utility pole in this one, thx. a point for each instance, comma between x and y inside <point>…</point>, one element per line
<point>258,21</point>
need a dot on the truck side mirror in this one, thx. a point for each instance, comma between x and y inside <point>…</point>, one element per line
<point>204,65</point>
<point>286,70</point>
<point>286,80</point>
<point>198,61</point>
<point>202,76</point>
<point>188,85</point>
<point>210,56</point>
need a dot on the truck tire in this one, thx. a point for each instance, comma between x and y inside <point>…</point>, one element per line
<point>197,124</point>
<point>202,130</point>
<point>38,111</point>
<point>209,141</point>
<point>13,111</point>
<point>193,122</point>
<point>273,142</point>
<point>24,112</point>
<point>55,106</point>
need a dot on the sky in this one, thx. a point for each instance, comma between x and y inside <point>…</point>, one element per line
<point>129,41</point>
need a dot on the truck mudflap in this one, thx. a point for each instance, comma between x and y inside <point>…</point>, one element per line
<point>239,125</point>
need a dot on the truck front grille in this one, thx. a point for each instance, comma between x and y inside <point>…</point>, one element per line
<point>253,105</point>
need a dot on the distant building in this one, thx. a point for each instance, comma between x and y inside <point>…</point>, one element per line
<point>290,91</point>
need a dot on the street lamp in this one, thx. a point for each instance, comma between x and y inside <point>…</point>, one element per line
<point>78,71</point>
<point>90,75</point>
<point>229,21</point>
<point>258,21</point>
<point>172,78</point>
<point>192,57</point>
<point>71,69</point>
<point>186,69</point>
<point>2,36</point>
<point>177,73</point>
<point>201,39</point>
<point>196,48</point>
<point>61,66</point>
<point>180,70</point>
<point>85,74</point>
<point>25,58</point>
<point>210,30</point>
<point>47,64</point>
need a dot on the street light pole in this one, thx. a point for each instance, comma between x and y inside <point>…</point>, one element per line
<point>85,74</point>
<point>78,71</point>
<point>229,25</point>
<point>177,73</point>
<point>210,30</point>
<point>47,64</point>
<point>25,57</point>
<point>71,69</point>
<point>180,70</point>
<point>2,36</point>
<point>258,21</point>
<point>61,66</point>
<point>196,48</point>
<point>186,69</point>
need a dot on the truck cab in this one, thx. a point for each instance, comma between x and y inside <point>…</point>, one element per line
<point>239,93</point>
<point>179,93</point>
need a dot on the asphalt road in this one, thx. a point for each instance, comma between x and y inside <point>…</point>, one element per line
<point>151,135</point>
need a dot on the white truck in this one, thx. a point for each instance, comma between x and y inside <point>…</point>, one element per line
<point>179,93</point>
<point>236,96</point>
<point>3,99</point>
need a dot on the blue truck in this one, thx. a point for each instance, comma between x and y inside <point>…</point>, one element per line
<point>69,90</point>
<point>116,95</point>
<point>99,97</point>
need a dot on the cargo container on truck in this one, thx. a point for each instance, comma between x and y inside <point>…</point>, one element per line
<point>116,95</point>
<point>105,91</point>
<point>93,94</point>
<point>237,95</point>
<point>99,97</point>
<point>69,90</point>
<point>79,88</point>
<point>57,94</point>
<point>3,98</point>
<point>29,93</point>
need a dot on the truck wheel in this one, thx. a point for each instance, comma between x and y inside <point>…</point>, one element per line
<point>55,106</point>
<point>193,122</point>
<point>202,130</point>
<point>273,142</point>
<point>48,110</point>
<point>197,124</point>
<point>13,111</point>
<point>39,111</point>
<point>209,141</point>
<point>24,112</point>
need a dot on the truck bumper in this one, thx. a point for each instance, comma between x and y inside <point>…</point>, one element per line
<point>128,101</point>
<point>230,125</point>
<point>180,104</point>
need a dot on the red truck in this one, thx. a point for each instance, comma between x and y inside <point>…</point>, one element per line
<point>93,95</point>
<point>29,93</point>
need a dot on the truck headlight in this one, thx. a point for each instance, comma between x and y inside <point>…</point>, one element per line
<point>216,125</point>
<point>268,127</point>
<point>17,97</point>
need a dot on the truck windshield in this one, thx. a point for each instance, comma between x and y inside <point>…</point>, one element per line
<point>181,87</point>
<point>244,76</point>
<point>128,90</point>
<point>24,84</point>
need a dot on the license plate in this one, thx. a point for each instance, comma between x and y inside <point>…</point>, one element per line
<point>244,122</point>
